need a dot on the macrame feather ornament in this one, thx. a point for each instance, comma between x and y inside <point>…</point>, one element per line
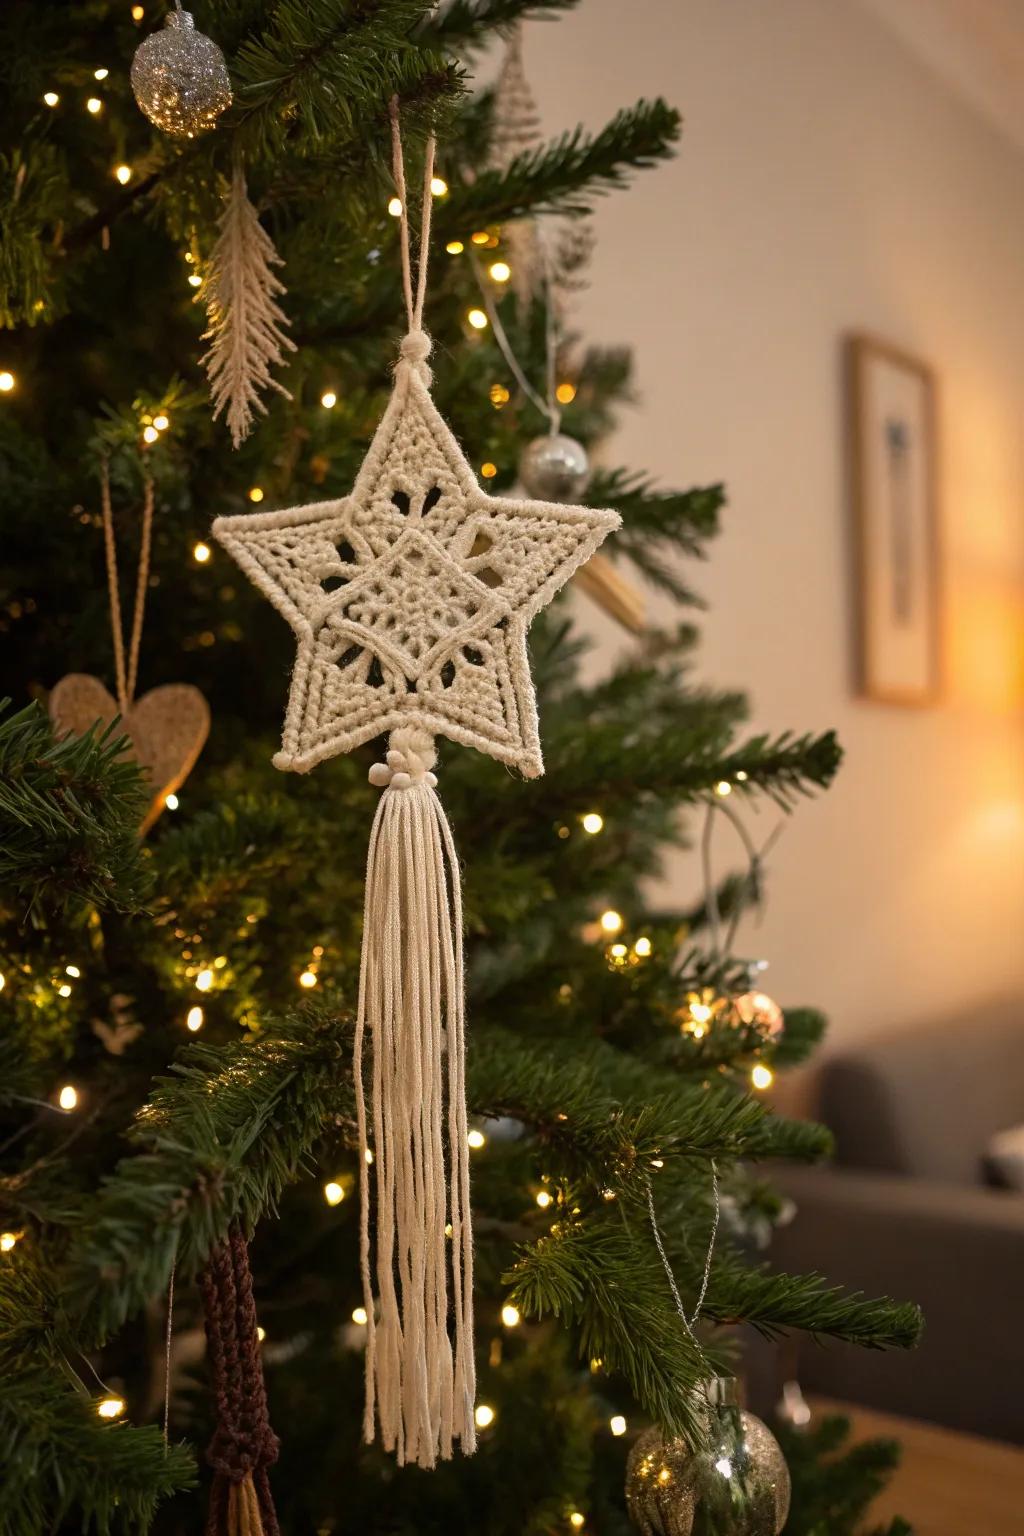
<point>245,322</point>
<point>410,601</point>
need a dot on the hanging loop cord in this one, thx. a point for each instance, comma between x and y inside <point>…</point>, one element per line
<point>243,1444</point>
<point>420,1373</point>
<point>416,344</point>
<point>126,674</point>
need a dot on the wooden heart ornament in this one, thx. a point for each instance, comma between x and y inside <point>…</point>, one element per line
<point>167,728</point>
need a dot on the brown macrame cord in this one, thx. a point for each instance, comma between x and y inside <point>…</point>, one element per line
<point>127,676</point>
<point>243,1446</point>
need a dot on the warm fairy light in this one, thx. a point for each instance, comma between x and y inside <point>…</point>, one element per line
<point>510,1315</point>
<point>477,319</point>
<point>499,396</point>
<point>438,186</point>
<point>72,970</point>
<point>3,981</point>
<point>307,979</point>
<point>359,1317</point>
<point>657,1162</point>
<point>333,1192</point>
<point>664,1476</point>
<point>742,777</point>
<point>7,1241</point>
<point>194,280</point>
<point>723,788</point>
<point>328,399</point>
<point>64,990</point>
<point>484,1415</point>
<point>642,947</point>
<point>150,434</point>
<point>51,98</point>
<point>700,1013</point>
<point>100,74</point>
<point>500,271</point>
<point>201,553</point>
<point>138,12</point>
<point>194,1019</point>
<point>488,470</point>
<point>204,981</point>
<point>110,1408</point>
<point>255,493</point>
<point>611,921</point>
<point>762,1077</point>
<point>368,1155</point>
<point>94,105</point>
<point>455,247</point>
<point>544,1199</point>
<point>395,207</point>
<point>480,237</point>
<point>577,1520</point>
<point>6,381</point>
<point>617,1424</point>
<point>161,422</point>
<point>123,174</point>
<point>68,1097</point>
<point>261,1334</point>
<point>171,801</point>
<point>565,394</point>
<point>593,821</point>
<point>476,1140</point>
<point>618,951</point>
<point>608,1194</point>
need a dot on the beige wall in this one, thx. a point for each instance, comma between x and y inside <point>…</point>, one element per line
<point>826,181</point>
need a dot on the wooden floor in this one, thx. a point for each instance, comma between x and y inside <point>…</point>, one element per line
<point>948,1484</point>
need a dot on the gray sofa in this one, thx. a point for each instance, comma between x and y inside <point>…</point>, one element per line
<point>906,1211</point>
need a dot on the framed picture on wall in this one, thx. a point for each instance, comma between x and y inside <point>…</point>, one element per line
<point>895,517</point>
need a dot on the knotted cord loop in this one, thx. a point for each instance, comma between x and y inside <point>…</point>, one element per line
<point>416,347</point>
<point>410,757</point>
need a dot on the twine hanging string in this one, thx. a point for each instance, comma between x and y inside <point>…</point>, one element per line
<point>414,301</point>
<point>126,674</point>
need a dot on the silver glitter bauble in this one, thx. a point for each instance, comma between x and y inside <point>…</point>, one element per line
<point>180,78</point>
<point>554,468</point>
<point>738,1485</point>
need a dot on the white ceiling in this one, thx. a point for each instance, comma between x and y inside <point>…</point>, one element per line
<point>977,46</point>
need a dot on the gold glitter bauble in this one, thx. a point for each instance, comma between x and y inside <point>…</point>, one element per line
<point>180,78</point>
<point>738,1486</point>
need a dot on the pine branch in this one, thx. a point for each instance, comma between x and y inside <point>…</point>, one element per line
<point>69,817</point>
<point>566,175</point>
<point>776,1302</point>
<point>218,1141</point>
<point>835,1483</point>
<point>657,523</point>
<point>33,197</point>
<point>467,25</point>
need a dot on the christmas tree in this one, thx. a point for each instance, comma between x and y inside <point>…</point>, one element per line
<point>176,1087</point>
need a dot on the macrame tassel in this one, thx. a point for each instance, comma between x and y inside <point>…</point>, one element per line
<point>420,1375</point>
<point>243,1444</point>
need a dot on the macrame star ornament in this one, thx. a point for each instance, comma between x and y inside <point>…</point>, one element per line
<point>410,601</point>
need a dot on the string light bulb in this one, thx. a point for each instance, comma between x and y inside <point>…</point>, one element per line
<point>333,1192</point>
<point>642,947</point>
<point>123,174</point>
<point>161,422</point>
<point>328,399</point>
<point>617,1424</point>
<point>510,1315</point>
<point>544,1199</point>
<point>171,801</point>
<point>565,394</point>
<point>204,981</point>
<point>455,247</point>
<point>94,105</point>
<point>6,381</point>
<point>500,271</point>
<point>201,553</point>
<point>110,1408</point>
<point>3,981</point>
<point>499,396</point>
<point>611,921</point>
<point>723,788</point>
<point>138,12</point>
<point>307,979</point>
<point>68,1098</point>
<point>360,1317</point>
<point>51,98</point>
<point>483,1415</point>
<point>476,1139</point>
<point>100,74</point>
<point>395,207</point>
<point>438,186</point>
<point>488,470</point>
<point>150,434</point>
<point>593,821</point>
<point>64,990</point>
<point>255,493</point>
<point>194,280</point>
<point>762,1077</point>
<point>72,970</point>
<point>577,1520</point>
<point>480,237</point>
<point>477,319</point>
<point>194,1019</point>
<point>7,1241</point>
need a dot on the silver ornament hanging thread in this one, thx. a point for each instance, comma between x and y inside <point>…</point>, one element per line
<point>554,468</point>
<point>180,79</point>
<point>737,1484</point>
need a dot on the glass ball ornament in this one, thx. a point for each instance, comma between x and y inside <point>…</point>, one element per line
<point>762,1011</point>
<point>554,468</point>
<point>180,78</point>
<point>737,1484</point>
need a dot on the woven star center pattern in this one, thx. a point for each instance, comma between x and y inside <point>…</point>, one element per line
<point>411,599</point>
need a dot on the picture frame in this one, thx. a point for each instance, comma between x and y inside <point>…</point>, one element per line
<point>894,498</point>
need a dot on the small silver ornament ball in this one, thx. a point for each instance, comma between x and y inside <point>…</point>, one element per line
<point>660,1485</point>
<point>739,1486</point>
<point>554,467</point>
<point>180,78</point>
